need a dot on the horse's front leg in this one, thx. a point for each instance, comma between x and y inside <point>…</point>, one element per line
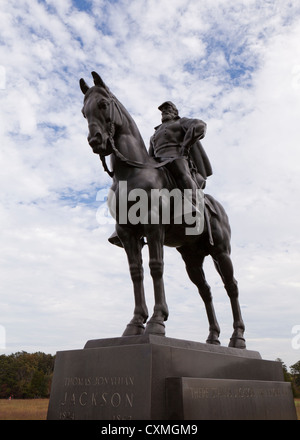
<point>133,249</point>
<point>155,239</point>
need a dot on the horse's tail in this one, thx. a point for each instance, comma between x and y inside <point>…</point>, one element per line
<point>217,222</point>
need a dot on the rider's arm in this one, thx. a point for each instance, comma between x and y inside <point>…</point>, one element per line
<point>195,130</point>
<point>151,149</point>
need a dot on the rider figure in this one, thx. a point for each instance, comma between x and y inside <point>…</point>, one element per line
<point>178,138</point>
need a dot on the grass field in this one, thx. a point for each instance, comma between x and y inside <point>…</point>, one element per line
<point>297,403</point>
<point>36,409</point>
<point>27,409</point>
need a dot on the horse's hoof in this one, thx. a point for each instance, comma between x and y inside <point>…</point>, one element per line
<point>155,328</point>
<point>134,330</point>
<point>213,339</point>
<point>237,343</point>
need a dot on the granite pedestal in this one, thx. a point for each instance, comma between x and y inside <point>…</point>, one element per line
<point>157,378</point>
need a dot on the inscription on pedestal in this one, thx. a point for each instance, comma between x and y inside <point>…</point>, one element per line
<point>197,393</point>
<point>217,399</point>
<point>115,393</point>
<point>100,385</point>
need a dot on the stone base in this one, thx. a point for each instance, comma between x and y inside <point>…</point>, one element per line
<point>157,378</point>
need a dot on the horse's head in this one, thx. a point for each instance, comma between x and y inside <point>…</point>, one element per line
<point>99,109</point>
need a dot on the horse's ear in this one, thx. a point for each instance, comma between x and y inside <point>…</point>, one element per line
<point>99,82</point>
<point>83,85</point>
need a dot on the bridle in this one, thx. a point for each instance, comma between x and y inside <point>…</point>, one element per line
<point>113,107</point>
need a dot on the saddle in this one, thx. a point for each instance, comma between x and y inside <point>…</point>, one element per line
<point>209,210</point>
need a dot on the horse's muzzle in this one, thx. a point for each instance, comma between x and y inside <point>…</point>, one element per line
<point>95,142</point>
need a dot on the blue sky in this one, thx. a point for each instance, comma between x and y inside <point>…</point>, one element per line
<point>234,65</point>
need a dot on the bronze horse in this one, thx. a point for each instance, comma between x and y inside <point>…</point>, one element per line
<point>112,131</point>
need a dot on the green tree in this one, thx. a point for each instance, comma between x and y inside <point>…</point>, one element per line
<point>38,385</point>
<point>26,375</point>
<point>286,374</point>
<point>8,381</point>
<point>295,378</point>
<point>295,370</point>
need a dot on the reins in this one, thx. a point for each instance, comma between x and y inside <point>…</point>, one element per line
<point>119,155</point>
<point>105,167</point>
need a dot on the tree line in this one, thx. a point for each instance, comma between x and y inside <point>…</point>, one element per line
<point>292,375</point>
<point>29,375</point>
<point>26,375</point>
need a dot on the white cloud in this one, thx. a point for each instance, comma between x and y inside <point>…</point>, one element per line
<point>234,66</point>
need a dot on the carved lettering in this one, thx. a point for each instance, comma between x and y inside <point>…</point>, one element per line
<point>121,417</point>
<point>112,393</point>
<point>129,400</point>
<point>86,398</point>
<point>82,399</point>
<point>234,393</point>
<point>99,381</point>
<point>66,415</point>
<point>115,400</point>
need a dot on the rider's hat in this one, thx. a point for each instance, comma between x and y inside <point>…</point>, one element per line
<point>168,103</point>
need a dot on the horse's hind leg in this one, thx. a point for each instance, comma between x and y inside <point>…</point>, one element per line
<point>194,267</point>
<point>224,266</point>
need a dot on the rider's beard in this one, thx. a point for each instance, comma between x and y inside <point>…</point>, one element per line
<point>167,117</point>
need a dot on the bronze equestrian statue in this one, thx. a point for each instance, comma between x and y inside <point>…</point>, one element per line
<point>112,131</point>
